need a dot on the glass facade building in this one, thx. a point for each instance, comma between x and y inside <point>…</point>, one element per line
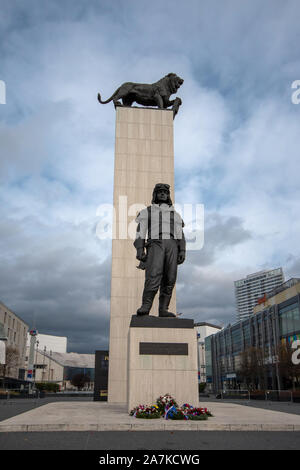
<point>278,322</point>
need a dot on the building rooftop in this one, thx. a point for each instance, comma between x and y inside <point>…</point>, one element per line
<point>252,276</point>
<point>209,324</point>
<point>286,285</point>
<point>14,313</point>
<point>73,359</point>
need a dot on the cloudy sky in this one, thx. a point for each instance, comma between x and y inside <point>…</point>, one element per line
<point>236,148</point>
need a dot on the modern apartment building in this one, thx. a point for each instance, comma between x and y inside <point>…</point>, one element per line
<point>14,329</point>
<point>252,288</point>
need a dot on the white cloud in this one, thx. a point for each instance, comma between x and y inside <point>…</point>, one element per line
<point>236,146</point>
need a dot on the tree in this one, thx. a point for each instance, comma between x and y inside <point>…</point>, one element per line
<point>289,372</point>
<point>79,380</point>
<point>252,368</point>
<point>12,359</point>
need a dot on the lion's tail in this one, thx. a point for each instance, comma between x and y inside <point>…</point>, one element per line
<point>109,99</point>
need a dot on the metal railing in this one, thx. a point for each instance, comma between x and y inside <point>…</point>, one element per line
<point>241,394</point>
<point>11,394</point>
<point>279,395</point>
<point>266,395</point>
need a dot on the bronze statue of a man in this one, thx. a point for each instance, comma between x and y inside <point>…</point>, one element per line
<point>165,248</point>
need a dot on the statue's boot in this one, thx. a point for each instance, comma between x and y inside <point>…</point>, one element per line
<point>164,301</point>
<point>148,298</point>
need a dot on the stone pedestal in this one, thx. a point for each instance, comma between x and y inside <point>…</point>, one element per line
<point>162,358</point>
<point>144,156</point>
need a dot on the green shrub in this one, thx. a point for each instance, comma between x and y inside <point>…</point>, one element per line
<point>147,415</point>
<point>147,412</point>
<point>47,386</point>
<point>179,415</point>
<point>198,417</point>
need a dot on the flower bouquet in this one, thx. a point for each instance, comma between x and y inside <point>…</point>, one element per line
<point>195,413</point>
<point>174,413</point>
<point>146,412</point>
<point>167,407</point>
<point>166,401</point>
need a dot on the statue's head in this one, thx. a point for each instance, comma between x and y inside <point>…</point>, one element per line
<point>175,82</point>
<point>158,188</point>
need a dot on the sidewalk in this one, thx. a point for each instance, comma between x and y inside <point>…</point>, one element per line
<point>101,416</point>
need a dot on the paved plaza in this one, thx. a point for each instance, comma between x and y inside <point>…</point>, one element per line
<point>101,416</point>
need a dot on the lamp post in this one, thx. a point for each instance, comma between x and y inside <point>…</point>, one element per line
<point>49,366</point>
<point>35,364</point>
<point>43,373</point>
<point>3,340</point>
<point>33,334</point>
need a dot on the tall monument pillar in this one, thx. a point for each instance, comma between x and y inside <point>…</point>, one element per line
<point>144,156</point>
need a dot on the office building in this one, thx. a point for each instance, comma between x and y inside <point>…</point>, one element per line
<point>252,288</point>
<point>14,335</point>
<point>49,343</point>
<point>46,367</point>
<point>203,330</point>
<point>60,367</point>
<point>275,323</point>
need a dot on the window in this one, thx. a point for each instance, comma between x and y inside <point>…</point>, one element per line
<point>289,319</point>
<point>222,345</point>
<point>297,319</point>
<point>247,335</point>
<point>236,340</point>
<point>208,357</point>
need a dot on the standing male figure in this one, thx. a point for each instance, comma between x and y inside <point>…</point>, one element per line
<point>162,226</point>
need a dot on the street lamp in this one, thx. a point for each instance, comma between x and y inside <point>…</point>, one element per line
<point>35,364</point>
<point>49,366</point>
<point>43,373</point>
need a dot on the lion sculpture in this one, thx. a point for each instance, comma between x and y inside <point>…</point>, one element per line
<point>154,94</point>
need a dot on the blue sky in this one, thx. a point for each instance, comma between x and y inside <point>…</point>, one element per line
<point>236,149</point>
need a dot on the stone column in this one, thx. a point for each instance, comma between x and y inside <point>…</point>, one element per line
<point>144,156</point>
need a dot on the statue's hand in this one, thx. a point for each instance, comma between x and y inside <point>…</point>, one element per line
<point>181,257</point>
<point>140,254</point>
